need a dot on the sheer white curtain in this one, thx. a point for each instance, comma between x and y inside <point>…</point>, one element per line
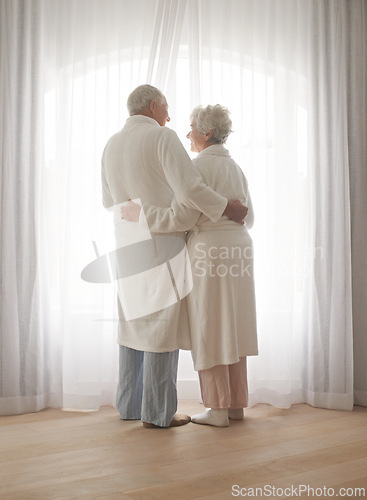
<point>282,68</point>
<point>357,146</point>
<point>30,376</point>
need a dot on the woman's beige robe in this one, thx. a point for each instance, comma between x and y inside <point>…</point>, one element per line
<point>222,310</point>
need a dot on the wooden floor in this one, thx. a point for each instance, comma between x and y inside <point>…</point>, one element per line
<point>67,455</point>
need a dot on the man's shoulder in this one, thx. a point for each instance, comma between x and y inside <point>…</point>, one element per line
<point>116,136</point>
<point>144,134</point>
<point>160,136</point>
<point>167,133</point>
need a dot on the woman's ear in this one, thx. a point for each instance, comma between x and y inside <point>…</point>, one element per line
<point>209,135</point>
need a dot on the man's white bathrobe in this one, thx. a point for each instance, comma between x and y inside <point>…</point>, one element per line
<point>222,308</point>
<point>147,161</point>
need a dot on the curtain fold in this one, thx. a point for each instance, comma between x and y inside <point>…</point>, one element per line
<point>28,379</point>
<point>330,333</point>
<point>357,146</point>
<point>293,75</point>
<point>165,43</point>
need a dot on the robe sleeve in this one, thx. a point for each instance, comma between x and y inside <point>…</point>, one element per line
<point>177,217</point>
<point>249,220</point>
<point>107,199</point>
<point>185,182</point>
<point>250,217</point>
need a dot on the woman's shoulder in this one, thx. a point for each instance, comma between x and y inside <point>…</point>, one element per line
<point>212,160</point>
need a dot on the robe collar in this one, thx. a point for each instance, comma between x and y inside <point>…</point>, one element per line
<point>214,150</point>
<point>141,119</point>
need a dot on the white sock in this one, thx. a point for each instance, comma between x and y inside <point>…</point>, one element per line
<point>236,413</point>
<point>218,418</point>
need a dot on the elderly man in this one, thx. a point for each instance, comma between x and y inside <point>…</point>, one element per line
<point>146,160</point>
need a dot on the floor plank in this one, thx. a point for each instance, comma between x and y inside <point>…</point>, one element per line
<point>75,455</point>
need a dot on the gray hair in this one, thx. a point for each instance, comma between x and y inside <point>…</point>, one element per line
<point>214,118</point>
<point>141,97</point>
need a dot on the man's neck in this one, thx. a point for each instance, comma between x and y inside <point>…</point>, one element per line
<point>145,112</point>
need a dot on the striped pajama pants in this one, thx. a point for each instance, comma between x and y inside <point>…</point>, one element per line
<point>147,386</point>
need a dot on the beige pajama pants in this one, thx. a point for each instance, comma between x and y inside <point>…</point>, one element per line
<point>225,386</point>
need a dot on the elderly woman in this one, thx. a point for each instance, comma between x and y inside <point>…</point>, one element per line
<point>221,304</point>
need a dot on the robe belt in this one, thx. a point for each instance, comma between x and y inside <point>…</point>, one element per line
<point>225,226</point>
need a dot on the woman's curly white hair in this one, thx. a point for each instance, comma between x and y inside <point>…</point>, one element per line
<point>214,118</point>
